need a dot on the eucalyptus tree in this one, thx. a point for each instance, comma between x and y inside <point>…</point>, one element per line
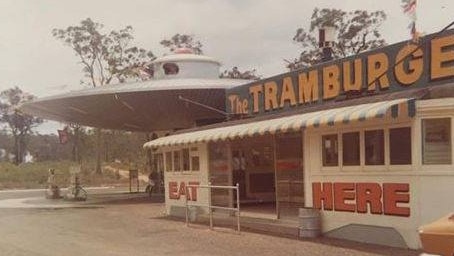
<point>19,124</point>
<point>236,73</point>
<point>105,57</point>
<point>183,41</point>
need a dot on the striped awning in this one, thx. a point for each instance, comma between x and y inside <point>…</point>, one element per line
<point>329,117</point>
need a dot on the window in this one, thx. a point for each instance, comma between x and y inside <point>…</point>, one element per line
<point>169,161</point>
<point>400,145</point>
<point>350,148</point>
<point>330,150</point>
<point>436,144</point>
<point>374,147</point>
<point>195,163</point>
<point>170,68</point>
<point>185,153</point>
<point>176,161</point>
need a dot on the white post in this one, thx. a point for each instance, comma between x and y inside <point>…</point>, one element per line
<point>186,204</point>
<point>238,206</point>
<point>209,205</point>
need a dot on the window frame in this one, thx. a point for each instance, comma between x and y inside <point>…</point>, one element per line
<point>323,153</point>
<point>166,157</point>
<point>362,167</point>
<point>383,146</point>
<point>422,140</point>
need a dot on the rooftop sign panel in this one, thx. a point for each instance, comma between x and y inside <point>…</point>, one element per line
<point>400,66</point>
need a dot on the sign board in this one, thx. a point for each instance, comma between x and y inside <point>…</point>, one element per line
<point>397,67</point>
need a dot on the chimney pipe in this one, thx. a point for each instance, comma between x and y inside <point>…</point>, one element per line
<point>325,42</point>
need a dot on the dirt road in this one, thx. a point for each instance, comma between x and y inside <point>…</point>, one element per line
<point>137,226</point>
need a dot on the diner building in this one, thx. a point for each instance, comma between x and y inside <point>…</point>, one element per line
<point>367,140</point>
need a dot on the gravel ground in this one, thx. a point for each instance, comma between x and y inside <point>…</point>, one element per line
<point>139,227</point>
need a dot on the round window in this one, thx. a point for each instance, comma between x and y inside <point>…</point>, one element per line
<point>170,68</point>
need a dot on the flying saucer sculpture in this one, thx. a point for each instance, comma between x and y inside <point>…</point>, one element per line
<point>154,105</point>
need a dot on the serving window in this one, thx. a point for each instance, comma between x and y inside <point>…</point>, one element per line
<point>368,148</point>
<point>400,146</point>
<point>436,141</point>
<point>374,147</point>
<point>330,149</point>
<point>185,154</point>
<point>177,160</point>
<point>168,161</point>
<point>350,149</point>
<point>185,159</point>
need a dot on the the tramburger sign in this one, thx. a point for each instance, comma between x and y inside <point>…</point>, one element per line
<point>396,67</point>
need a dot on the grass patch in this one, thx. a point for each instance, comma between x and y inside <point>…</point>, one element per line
<point>34,175</point>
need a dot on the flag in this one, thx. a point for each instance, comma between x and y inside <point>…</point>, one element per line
<point>63,135</point>
<point>409,8</point>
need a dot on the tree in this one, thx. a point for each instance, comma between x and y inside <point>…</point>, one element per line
<point>19,124</point>
<point>357,31</point>
<point>235,73</point>
<point>182,41</point>
<point>106,57</point>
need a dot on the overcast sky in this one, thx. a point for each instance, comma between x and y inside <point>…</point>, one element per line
<point>244,33</point>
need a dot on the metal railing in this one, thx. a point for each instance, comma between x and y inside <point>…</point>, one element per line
<point>211,207</point>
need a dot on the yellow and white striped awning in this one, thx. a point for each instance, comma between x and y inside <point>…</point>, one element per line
<point>329,117</point>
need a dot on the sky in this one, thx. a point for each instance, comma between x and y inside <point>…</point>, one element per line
<point>250,34</point>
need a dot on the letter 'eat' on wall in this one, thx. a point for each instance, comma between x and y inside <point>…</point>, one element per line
<point>176,191</point>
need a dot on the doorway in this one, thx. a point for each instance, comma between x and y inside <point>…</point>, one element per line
<point>253,169</point>
<point>289,174</point>
<point>268,169</point>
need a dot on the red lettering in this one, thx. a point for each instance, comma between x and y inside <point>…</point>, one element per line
<point>369,193</point>
<point>182,189</point>
<point>344,191</point>
<point>193,193</point>
<point>173,190</point>
<point>393,194</point>
<point>362,197</point>
<point>325,195</point>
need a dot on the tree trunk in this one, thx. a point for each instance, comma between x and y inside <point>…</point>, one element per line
<point>98,150</point>
<point>148,137</point>
<point>16,150</point>
<point>75,150</point>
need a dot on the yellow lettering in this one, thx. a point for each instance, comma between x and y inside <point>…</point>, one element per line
<point>308,86</point>
<point>255,90</point>
<point>232,98</point>
<point>245,106</point>
<point>439,67</point>
<point>354,85</point>
<point>377,64</point>
<point>288,93</point>
<point>331,85</point>
<point>410,74</point>
<point>270,95</point>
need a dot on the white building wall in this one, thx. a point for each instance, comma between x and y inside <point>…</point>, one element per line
<point>436,181</point>
<point>431,187</point>
<point>185,177</point>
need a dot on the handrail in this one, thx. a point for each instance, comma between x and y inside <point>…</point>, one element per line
<point>211,207</point>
